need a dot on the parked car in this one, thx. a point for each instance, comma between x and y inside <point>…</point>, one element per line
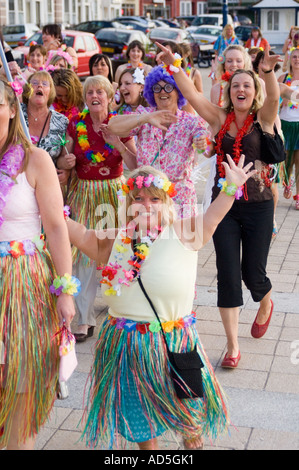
<point>187,19</point>
<point>206,34</point>
<point>243,32</point>
<point>113,40</point>
<point>17,34</point>
<point>176,35</point>
<point>209,19</point>
<point>133,24</point>
<point>85,44</point>
<point>94,26</point>
<point>140,19</point>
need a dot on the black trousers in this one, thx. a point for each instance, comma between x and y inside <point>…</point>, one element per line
<point>242,241</point>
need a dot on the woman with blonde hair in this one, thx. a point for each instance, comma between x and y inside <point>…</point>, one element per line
<point>148,282</point>
<point>237,129</point>
<point>44,123</point>
<point>226,38</point>
<point>29,314</point>
<point>97,157</point>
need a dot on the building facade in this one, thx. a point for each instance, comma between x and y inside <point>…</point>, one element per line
<point>65,12</point>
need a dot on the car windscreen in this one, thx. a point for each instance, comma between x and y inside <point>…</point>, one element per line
<point>37,37</point>
<point>113,36</point>
<point>68,40</point>
<point>156,33</point>
<point>204,20</point>
<point>14,29</point>
<point>212,31</point>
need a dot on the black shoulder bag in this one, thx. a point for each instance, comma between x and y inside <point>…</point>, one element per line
<point>185,368</point>
<point>273,150</point>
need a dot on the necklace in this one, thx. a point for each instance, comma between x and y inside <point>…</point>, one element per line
<point>10,166</point>
<point>288,82</point>
<point>139,66</point>
<point>231,117</point>
<point>84,143</point>
<point>140,253</point>
<point>36,118</point>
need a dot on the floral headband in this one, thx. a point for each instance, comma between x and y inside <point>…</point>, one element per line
<point>146,181</point>
<point>61,53</point>
<point>138,76</point>
<point>292,50</point>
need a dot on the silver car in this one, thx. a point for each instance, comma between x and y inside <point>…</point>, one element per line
<point>206,34</point>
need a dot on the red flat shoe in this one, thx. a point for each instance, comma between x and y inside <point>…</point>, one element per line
<point>230,362</point>
<point>257,331</point>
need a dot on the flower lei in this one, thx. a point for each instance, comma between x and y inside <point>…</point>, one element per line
<point>83,139</point>
<point>231,117</point>
<point>146,181</point>
<point>154,326</point>
<point>66,284</point>
<point>130,66</point>
<point>10,166</point>
<point>226,76</point>
<point>68,111</point>
<point>141,251</point>
<point>288,82</point>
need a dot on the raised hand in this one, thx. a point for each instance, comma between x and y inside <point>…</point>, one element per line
<point>269,61</point>
<point>166,56</point>
<point>237,174</point>
<point>161,119</point>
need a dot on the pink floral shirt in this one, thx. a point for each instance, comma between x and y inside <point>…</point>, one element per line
<point>174,154</point>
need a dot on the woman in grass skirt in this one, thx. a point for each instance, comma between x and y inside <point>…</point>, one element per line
<point>131,392</point>
<point>29,315</point>
<point>97,157</point>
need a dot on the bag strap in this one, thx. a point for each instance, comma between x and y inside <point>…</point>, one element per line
<point>41,135</point>
<point>154,310</point>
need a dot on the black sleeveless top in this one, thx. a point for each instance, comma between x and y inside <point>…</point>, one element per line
<point>258,188</point>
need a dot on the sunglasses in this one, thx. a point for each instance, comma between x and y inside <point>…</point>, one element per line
<point>168,88</point>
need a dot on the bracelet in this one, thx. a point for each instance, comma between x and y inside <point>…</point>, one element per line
<point>66,284</point>
<point>230,189</point>
<point>268,71</point>
<point>175,67</point>
<point>125,149</point>
<point>66,212</point>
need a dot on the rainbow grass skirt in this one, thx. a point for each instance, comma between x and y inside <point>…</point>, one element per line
<point>87,199</point>
<point>29,359</point>
<point>131,393</point>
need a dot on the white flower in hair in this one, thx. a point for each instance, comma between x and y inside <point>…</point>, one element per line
<point>138,76</point>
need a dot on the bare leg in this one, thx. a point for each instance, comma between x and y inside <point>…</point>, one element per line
<point>264,310</point>
<point>13,443</point>
<point>148,445</point>
<point>230,320</point>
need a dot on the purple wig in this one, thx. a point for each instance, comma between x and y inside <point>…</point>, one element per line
<point>155,75</point>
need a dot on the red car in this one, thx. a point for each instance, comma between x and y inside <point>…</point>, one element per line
<point>85,44</point>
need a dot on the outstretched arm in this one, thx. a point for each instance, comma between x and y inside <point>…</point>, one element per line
<point>122,125</point>
<point>268,112</point>
<point>197,231</point>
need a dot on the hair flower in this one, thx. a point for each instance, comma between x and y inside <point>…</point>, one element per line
<point>138,76</point>
<point>139,181</point>
<point>17,87</point>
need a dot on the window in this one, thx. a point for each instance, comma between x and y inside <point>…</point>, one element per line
<point>80,44</point>
<point>185,8</point>
<point>90,44</point>
<point>273,20</point>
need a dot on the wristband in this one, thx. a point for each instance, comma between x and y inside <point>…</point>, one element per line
<point>268,71</point>
<point>175,67</point>
<point>230,189</point>
<point>66,284</point>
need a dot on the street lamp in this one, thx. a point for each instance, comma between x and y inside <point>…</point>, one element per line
<point>224,12</point>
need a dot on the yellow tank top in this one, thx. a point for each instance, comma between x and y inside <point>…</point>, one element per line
<point>168,274</point>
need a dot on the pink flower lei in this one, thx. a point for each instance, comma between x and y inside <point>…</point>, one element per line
<point>10,166</point>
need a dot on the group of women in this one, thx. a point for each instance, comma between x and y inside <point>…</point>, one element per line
<point>144,228</point>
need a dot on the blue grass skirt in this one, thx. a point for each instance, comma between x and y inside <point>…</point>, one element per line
<point>131,392</point>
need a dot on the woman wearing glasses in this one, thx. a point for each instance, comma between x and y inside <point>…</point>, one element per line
<point>165,140</point>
